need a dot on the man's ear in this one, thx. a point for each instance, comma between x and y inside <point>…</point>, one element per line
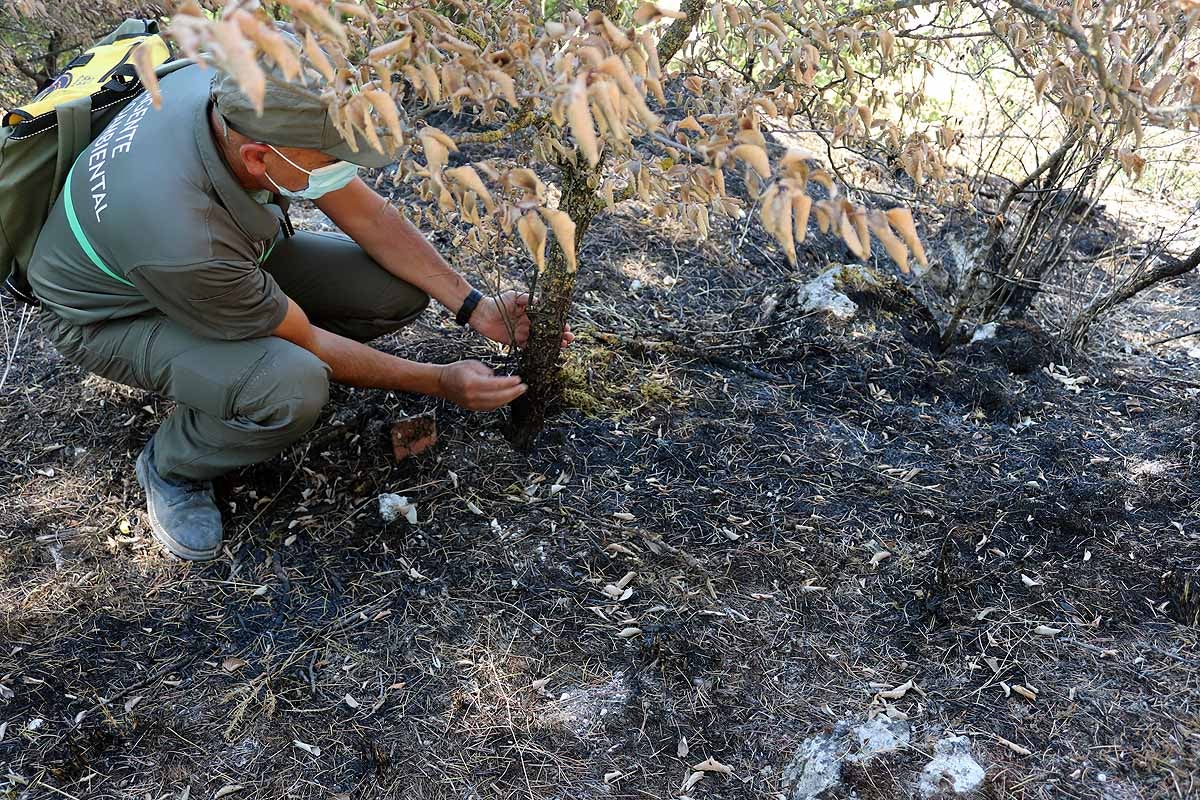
<point>253,155</point>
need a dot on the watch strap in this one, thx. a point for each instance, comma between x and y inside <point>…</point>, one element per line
<point>468,307</point>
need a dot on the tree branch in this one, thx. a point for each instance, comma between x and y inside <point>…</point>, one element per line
<point>1166,268</point>
<point>1050,162</point>
<point>679,30</point>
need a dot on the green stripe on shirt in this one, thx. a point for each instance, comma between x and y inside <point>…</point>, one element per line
<point>76,229</point>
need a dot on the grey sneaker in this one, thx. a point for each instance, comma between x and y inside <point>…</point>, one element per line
<point>183,513</point>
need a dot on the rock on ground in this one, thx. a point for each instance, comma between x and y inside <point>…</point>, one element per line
<point>820,761</point>
<point>817,765</point>
<point>866,300</point>
<point>824,294</point>
<point>952,770</point>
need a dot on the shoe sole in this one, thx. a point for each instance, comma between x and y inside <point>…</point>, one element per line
<point>160,533</point>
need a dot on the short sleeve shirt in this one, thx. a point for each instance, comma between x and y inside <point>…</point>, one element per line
<point>152,220</point>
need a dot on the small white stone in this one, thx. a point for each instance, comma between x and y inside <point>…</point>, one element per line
<point>984,332</point>
<point>880,735</point>
<point>824,293</point>
<point>952,769</point>
<point>394,506</point>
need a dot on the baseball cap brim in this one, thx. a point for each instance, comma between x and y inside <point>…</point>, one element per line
<point>366,156</point>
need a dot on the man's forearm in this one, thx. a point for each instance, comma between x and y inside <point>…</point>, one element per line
<point>356,364</point>
<point>394,242</point>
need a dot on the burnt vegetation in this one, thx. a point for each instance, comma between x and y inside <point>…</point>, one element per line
<point>746,519</point>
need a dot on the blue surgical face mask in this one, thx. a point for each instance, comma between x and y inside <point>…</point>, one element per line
<point>321,181</point>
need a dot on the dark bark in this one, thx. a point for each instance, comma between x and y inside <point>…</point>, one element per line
<point>548,313</point>
<point>679,30</point>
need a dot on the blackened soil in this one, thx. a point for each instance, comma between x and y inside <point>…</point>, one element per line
<point>809,513</point>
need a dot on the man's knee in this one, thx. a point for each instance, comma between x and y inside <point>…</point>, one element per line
<point>286,390</point>
<point>389,314</point>
<point>404,306</point>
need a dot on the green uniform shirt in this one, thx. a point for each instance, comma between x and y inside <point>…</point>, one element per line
<point>152,221</point>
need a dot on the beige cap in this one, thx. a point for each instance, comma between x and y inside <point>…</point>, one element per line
<point>293,115</point>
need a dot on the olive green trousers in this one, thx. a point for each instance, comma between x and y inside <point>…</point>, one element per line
<point>242,402</point>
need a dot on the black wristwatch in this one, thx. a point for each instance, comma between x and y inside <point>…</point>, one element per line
<point>468,307</point>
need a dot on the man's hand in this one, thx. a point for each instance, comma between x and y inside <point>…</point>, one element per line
<point>504,318</point>
<point>473,385</point>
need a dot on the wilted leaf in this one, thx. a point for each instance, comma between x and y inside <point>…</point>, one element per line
<point>580,118</point>
<point>311,749</point>
<point>1016,748</point>
<point>896,249</point>
<point>227,790</point>
<point>144,64</point>
<point>1046,630</point>
<point>390,49</point>
<point>237,57</point>
<point>902,220</point>
<point>1025,692</point>
<point>564,231</point>
<point>469,178</point>
<point>317,56</point>
<point>897,692</point>
<point>712,765</point>
<point>648,12</point>
<point>385,107</point>
<point>850,237</point>
<point>533,234</point>
<point>755,156</point>
<point>437,146</point>
<point>524,179</point>
<point>233,664</point>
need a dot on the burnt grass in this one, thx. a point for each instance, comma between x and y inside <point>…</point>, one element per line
<point>750,469</point>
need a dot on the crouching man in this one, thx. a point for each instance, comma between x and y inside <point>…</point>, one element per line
<point>167,264</point>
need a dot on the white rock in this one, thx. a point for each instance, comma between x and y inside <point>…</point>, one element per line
<point>822,294</point>
<point>984,332</point>
<point>953,769</point>
<point>879,735</point>
<point>394,506</point>
<point>817,765</point>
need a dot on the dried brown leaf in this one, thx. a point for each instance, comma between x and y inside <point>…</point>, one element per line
<point>533,234</point>
<point>564,231</point>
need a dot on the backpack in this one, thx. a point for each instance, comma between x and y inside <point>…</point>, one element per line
<point>40,141</point>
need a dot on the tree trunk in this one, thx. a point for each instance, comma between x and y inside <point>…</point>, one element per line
<point>555,287</point>
<point>548,312</point>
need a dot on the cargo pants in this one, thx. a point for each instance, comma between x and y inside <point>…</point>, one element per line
<point>242,402</point>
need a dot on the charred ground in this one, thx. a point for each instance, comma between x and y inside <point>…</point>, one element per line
<point>749,467</point>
